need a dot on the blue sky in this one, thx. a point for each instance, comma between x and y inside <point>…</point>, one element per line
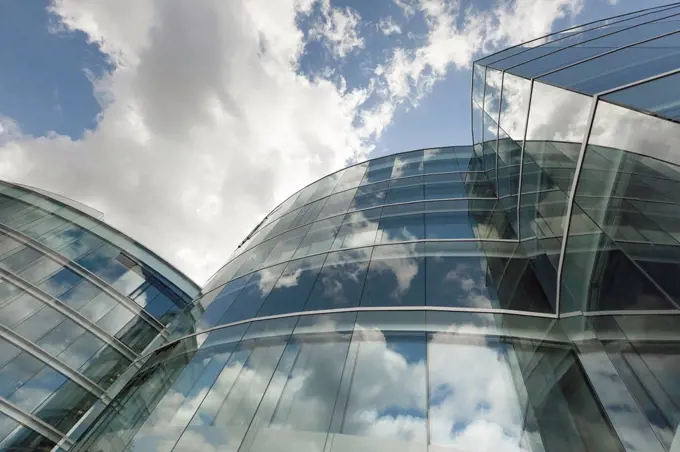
<point>185,122</point>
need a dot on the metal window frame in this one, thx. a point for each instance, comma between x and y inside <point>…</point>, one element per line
<point>84,273</point>
<point>566,222</point>
<point>609,52</point>
<point>37,425</point>
<point>55,363</point>
<point>638,82</point>
<point>69,313</point>
<point>358,309</point>
<point>634,14</point>
<point>521,161</point>
<point>593,39</point>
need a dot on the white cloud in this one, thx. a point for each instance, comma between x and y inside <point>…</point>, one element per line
<point>206,123</point>
<point>337,28</point>
<point>388,26</point>
<point>455,36</point>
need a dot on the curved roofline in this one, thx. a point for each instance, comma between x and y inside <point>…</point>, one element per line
<point>323,177</point>
<point>351,166</point>
<point>232,257</point>
<point>659,7</point>
<point>69,202</point>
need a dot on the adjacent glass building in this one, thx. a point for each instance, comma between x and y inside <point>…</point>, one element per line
<point>517,294</point>
<point>79,303</point>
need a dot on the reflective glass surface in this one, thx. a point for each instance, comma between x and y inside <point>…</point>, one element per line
<point>363,381</point>
<point>79,302</point>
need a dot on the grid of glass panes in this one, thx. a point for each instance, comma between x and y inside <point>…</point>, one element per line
<point>71,311</point>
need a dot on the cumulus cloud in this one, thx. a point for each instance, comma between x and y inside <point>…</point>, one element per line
<point>205,121</point>
<point>455,36</point>
<point>388,26</point>
<point>337,28</point>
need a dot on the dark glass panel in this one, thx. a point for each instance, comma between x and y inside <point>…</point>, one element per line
<point>290,292</point>
<point>358,229</point>
<point>250,299</point>
<point>341,280</point>
<point>396,276</point>
<point>659,96</point>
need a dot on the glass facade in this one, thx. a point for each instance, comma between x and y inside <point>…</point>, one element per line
<point>516,294</point>
<point>79,303</point>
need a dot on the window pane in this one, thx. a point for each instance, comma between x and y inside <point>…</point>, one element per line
<point>337,204</point>
<point>351,177</point>
<point>358,229</point>
<point>293,287</point>
<point>249,300</point>
<point>396,276</point>
<point>401,228</point>
<point>450,225</point>
<point>320,237</point>
<point>404,194</point>
<point>340,281</point>
<point>440,160</point>
<point>658,96</point>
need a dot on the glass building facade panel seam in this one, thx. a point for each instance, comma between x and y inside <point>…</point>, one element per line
<point>74,316</point>
<point>595,57</point>
<point>35,351</point>
<point>32,422</point>
<point>79,302</point>
<point>580,29</point>
<point>136,309</point>
<point>570,202</point>
<point>586,41</point>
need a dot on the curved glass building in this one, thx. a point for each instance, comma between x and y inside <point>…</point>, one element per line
<point>517,294</point>
<point>79,303</point>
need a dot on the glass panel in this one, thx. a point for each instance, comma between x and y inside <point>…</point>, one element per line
<point>618,37</point>
<point>513,114</point>
<point>626,194</point>
<point>358,229</point>
<point>396,276</point>
<point>367,197</point>
<point>337,204</point>
<point>478,81</point>
<point>340,281</point>
<point>379,170</point>
<point>407,164</point>
<point>556,116</point>
<point>320,237</point>
<point>404,194</point>
<point>351,177</point>
<point>250,299</point>
<point>448,225</point>
<point>20,259</point>
<point>21,438</point>
<point>440,160</point>
<point>39,270</point>
<point>379,396</point>
<point>492,95</point>
<point>582,34</point>
<point>460,281</point>
<point>622,67</point>
<point>477,124</point>
<point>659,96</point>
<point>286,246</point>
<point>400,228</point>
<point>293,287</point>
